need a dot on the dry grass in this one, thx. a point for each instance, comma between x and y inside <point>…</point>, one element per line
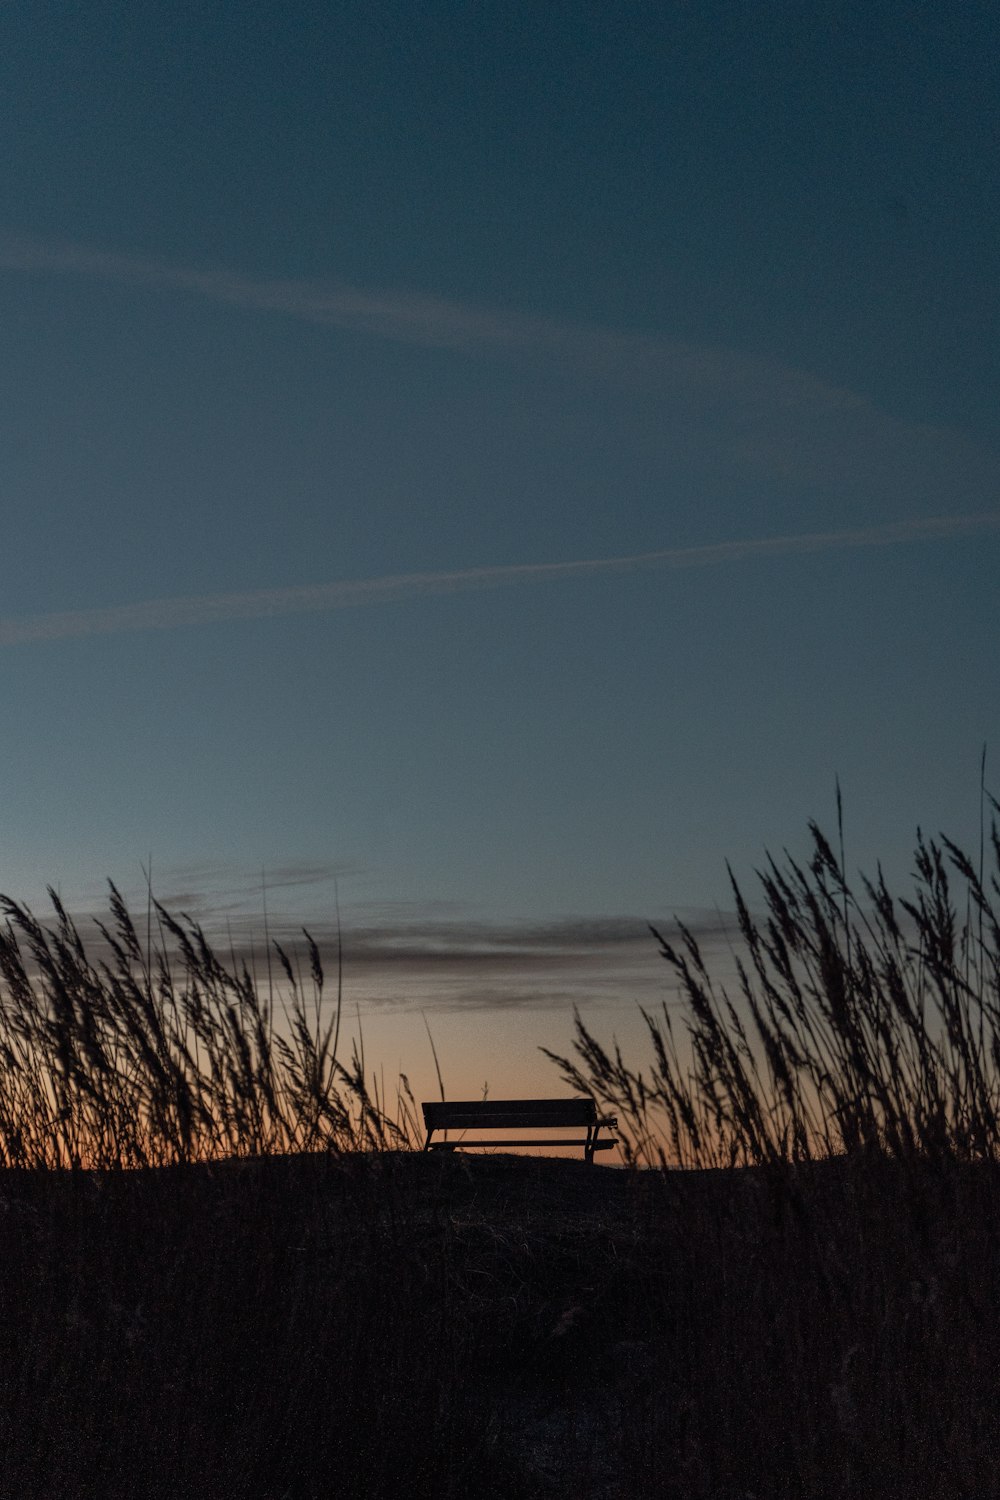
<point>866,1025</point>
<point>280,1306</point>
<point>162,1053</point>
<point>825,1312</point>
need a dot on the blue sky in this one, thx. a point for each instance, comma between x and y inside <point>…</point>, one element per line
<point>317,294</point>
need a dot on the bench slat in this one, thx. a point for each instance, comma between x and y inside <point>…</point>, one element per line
<point>507,1106</point>
<point>513,1113</point>
<point>505,1122</point>
<point>545,1141</point>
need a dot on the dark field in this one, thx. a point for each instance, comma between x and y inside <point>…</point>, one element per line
<point>401,1324</point>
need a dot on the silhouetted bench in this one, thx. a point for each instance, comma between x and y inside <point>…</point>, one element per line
<point>519,1114</point>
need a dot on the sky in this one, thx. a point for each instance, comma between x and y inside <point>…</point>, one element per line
<point>491,465</point>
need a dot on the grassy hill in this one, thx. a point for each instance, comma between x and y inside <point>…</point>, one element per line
<point>311,1326</point>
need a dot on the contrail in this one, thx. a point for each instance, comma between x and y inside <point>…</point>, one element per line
<point>168,614</point>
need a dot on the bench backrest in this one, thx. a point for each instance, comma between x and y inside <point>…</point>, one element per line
<point>509,1114</point>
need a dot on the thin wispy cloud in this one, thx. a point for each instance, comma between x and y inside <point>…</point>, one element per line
<point>404,316</point>
<point>441,322</point>
<point>171,614</point>
<point>729,411</point>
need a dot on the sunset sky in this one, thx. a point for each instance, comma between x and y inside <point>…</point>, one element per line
<point>333,333</point>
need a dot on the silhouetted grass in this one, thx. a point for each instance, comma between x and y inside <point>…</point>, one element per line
<point>827,1308</point>
<point>861,1025</point>
<point>160,1052</point>
<point>283,1300</point>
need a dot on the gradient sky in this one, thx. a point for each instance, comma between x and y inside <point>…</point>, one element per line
<point>302,296</point>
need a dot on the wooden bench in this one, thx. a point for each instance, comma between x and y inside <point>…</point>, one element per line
<point>519,1114</point>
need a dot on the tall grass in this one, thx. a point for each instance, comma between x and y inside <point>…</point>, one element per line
<point>823,1327</point>
<point>860,1023</point>
<point>159,1052</point>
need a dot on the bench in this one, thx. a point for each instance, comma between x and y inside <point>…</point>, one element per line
<point>519,1114</point>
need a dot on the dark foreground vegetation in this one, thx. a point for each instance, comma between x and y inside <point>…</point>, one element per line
<point>401,1324</point>
<point>225,1272</point>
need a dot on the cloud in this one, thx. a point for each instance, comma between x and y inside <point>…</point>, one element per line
<point>737,418</point>
<point>410,317</point>
<point>413,957</point>
<point>170,614</point>
<point>401,316</point>
<point>674,367</point>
